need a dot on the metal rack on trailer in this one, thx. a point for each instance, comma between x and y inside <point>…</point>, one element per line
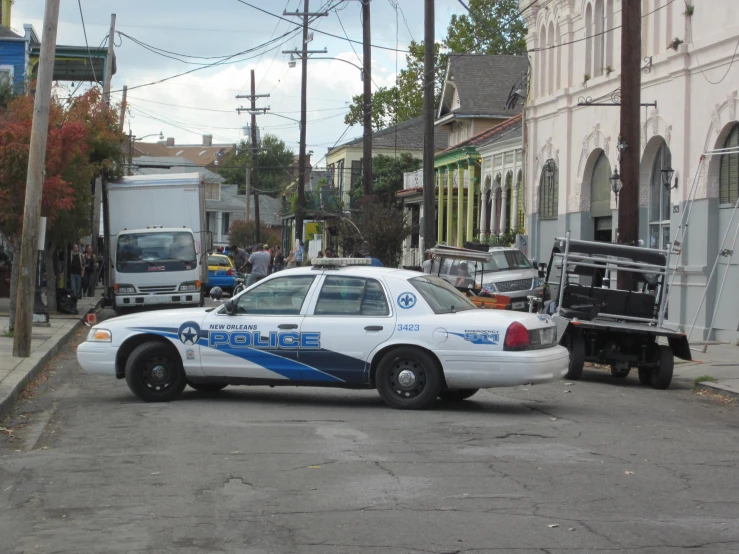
<point>600,323</point>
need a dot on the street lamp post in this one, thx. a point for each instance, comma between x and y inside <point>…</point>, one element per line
<point>131,139</point>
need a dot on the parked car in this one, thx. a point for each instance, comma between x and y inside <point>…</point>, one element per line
<point>221,273</point>
<point>498,271</point>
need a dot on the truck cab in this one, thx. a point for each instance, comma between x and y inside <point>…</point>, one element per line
<point>156,266</point>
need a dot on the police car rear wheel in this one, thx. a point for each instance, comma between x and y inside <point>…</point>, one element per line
<point>154,372</point>
<point>457,395</point>
<point>207,387</point>
<point>408,379</point>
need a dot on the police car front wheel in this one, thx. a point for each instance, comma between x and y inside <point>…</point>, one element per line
<point>154,372</point>
<point>408,379</point>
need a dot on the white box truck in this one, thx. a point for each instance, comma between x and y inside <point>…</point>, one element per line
<point>157,241</point>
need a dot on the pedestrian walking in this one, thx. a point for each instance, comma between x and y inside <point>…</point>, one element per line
<point>259,261</point>
<point>88,275</point>
<point>299,253</point>
<point>290,260</point>
<point>239,258</point>
<point>76,269</point>
<point>279,259</point>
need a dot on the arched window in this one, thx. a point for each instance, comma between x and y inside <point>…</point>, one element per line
<point>542,86</point>
<point>521,220</point>
<point>659,202</point>
<point>508,207</point>
<point>589,40</point>
<point>549,191</point>
<point>599,38</point>
<point>550,64</point>
<point>729,176</point>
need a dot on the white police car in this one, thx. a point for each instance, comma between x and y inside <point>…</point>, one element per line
<point>411,336</point>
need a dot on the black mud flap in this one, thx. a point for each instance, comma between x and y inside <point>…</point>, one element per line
<point>680,347</point>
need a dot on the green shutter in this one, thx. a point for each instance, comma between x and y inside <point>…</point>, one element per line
<point>729,176</point>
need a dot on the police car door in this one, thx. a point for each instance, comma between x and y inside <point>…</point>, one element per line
<point>353,316</point>
<point>261,340</point>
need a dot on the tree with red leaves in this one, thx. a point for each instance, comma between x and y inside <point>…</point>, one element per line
<point>83,142</point>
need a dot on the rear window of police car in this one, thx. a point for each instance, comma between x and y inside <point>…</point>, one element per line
<point>441,297</point>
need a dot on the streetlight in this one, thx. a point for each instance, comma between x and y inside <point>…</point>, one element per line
<point>616,183</point>
<point>296,56</point>
<point>263,111</point>
<point>161,136</point>
<point>667,179</point>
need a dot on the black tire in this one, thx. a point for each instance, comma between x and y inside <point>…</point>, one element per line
<point>645,376</point>
<point>457,395</point>
<point>620,373</point>
<point>154,372</point>
<point>425,380</point>
<point>577,357</point>
<point>662,376</point>
<point>207,387</point>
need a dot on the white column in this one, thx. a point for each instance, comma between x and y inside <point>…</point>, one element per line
<point>483,212</point>
<point>219,224</point>
<point>504,211</point>
<point>514,209</point>
<point>494,211</point>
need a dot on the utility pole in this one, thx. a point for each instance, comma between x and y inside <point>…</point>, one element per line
<point>367,74</point>
<point>299,212</point>
<point>429,185</point>
<point>252,175</point>
<point>109,61</point>
<point>34,185</point>
<point>629,137</point>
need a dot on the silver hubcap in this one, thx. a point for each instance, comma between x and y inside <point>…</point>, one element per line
<point>407,378</point>
<point>158,372</point>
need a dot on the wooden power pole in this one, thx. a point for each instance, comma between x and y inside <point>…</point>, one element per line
<point>429,185</point>
<point>367,76</point>
<point>630,133</point>
<point>34,185</point>
<point>254,175</point>
<point>109,61</point>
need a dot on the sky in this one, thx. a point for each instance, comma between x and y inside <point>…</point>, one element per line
<point>204,102</point>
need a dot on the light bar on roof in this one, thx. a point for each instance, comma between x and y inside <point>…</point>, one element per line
<point>340,262</point>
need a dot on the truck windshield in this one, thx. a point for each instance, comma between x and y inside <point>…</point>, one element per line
<point>505,260</point>
<point>150,252</point>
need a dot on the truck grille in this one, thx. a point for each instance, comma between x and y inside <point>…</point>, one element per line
<point>514,286</point>
<point>160,288</point>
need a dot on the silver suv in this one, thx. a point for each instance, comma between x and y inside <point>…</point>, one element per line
<point>501,270</point>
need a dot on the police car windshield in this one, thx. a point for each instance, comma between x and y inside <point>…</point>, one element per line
<point>155,251</point>
<point>504,260</point>
<point>440,295</point>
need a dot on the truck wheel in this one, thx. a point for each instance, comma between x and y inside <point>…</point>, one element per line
<point>408,379</point>
<point>662,376</point>
<point>154,372</point>
<point>645,376</point>
<point>577,357</point>
<point>457,395</point>
<point>207,387</point>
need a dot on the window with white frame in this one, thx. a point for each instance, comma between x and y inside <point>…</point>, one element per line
<point>659,201</point>
<point>729,172</point>
<point>6,74</point>
<point>549,191</point>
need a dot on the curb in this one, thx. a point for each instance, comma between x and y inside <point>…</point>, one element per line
<point>8,401</point>
<point>717,388</point>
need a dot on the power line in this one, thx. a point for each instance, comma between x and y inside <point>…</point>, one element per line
<point>84,30</point>
<point>316,30</point>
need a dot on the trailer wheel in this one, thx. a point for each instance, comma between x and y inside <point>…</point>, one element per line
<point>662,376</point>
<point>577,357</point>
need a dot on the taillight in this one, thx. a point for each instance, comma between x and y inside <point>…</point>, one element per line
<point>517,337</point>
<point>230,272</point>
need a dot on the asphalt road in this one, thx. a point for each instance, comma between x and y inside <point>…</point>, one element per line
<point>562,468</point>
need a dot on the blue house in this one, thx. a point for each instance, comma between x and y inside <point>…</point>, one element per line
<point>15,52</point>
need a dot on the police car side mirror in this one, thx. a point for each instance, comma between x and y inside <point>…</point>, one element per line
<point>230,307</point>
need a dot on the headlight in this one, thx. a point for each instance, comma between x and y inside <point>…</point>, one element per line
<point>538,283</point>
<point>99,335</point>
<point>125,289</point>
<point>190,286</point>
<point>489,287</point>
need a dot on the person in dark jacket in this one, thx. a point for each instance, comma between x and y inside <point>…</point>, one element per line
<point>76,269</point>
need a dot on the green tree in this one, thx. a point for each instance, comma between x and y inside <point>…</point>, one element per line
<point>387,173</point>
<point>496,28</point>
<point>273,162</point>
<point>243,233</point>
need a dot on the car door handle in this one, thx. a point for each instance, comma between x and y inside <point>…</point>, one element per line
<point>287,326</point>
<point>373,328</point>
